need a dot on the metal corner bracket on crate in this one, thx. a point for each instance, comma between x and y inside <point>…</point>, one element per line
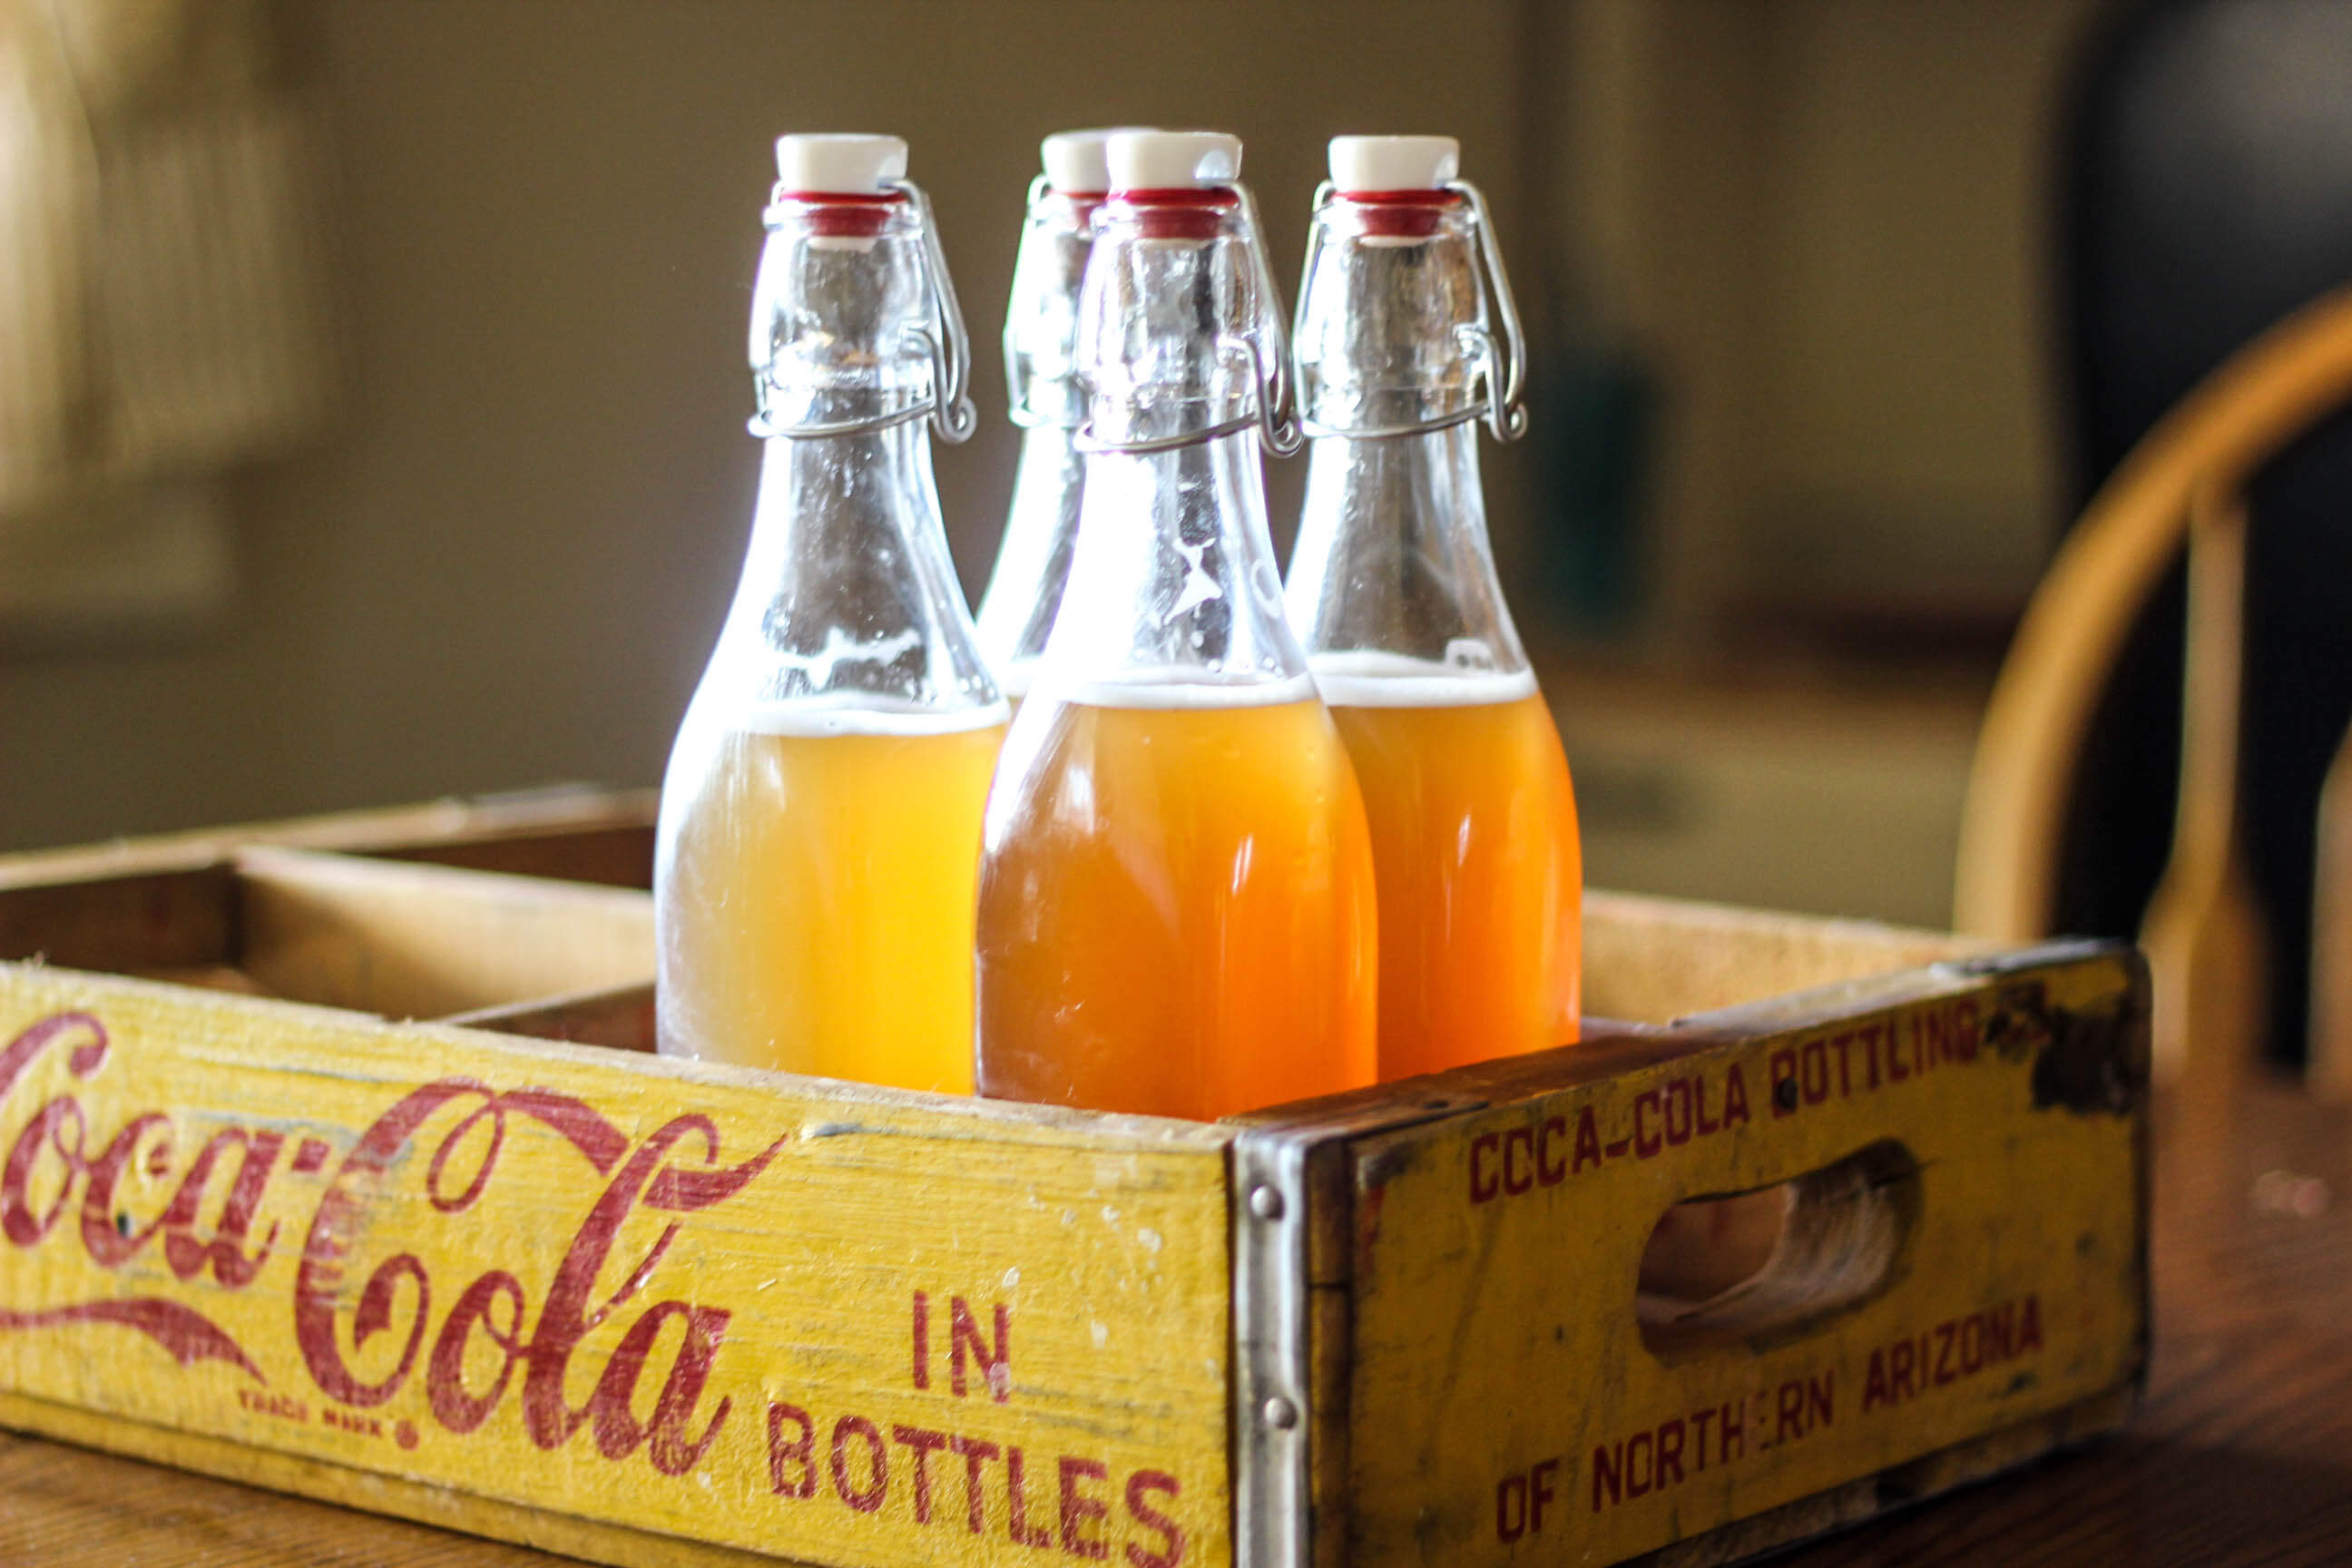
<point>1283,1184</point>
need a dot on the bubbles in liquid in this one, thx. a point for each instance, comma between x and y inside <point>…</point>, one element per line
<point>875,715</point>
<point>1187,687</point>
<point>1366,679</point>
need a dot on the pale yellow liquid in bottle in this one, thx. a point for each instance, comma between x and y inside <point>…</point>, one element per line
<point>1176,909</point>
<point>1479,862</point>
<point>820,890</point>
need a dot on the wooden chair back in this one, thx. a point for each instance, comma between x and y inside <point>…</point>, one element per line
<point>2183,486</point>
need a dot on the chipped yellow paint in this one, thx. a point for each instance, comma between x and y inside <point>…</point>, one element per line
<point>341,1296</point>
<point>1505,1405</point>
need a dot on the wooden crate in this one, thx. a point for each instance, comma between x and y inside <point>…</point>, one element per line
<point>500,1269</point>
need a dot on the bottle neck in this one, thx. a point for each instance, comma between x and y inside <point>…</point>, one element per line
<point>1172,583</point>
<point>1175,329</point>
<point>844,316</point>
<point>821,499</point>
<point>1041,323</point>
<point>1392,568</point>
<point>1390,316</point>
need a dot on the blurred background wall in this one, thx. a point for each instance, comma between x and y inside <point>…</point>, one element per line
<point>1783,257</point>
<point>509,561</point>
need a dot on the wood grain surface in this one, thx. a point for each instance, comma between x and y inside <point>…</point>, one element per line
<point>2243,1452</point>
<point>2243,1455</point>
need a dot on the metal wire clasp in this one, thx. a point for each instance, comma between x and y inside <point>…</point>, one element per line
<point>1277,389</point>
<point>952,414</point>
<point>1501,364</point>
<point>1506,413</point>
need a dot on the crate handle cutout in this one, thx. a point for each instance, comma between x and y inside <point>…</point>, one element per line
<point>1772,1264</point>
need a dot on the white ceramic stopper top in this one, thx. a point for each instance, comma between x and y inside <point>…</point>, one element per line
<point>840,164</point>
<point>1394,162</point>
<point>1077,163</point>
<point>1170,160</point>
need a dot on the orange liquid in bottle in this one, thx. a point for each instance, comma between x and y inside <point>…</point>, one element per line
<point>1479,863</point>
<point>818,896</point>
<point>1176,908</point>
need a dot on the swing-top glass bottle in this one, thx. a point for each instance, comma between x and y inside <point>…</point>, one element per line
<point>1048,402</point>
<point>1392,589</point>
<point>820,822</point>
<point>1176,899</point>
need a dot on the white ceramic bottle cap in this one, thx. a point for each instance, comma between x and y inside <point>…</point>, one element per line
<point>840,164</point>
<point>1394,162</point>
<point>1077,163</point>
<point>1170,160</point>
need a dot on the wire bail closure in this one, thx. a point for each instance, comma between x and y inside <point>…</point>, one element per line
<point>943,343</point>
<point>952,415</point>
<point>1274,415</point>
<point>1500,364</point>
<point>1277,390</point>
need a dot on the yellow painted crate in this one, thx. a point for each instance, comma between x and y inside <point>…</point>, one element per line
<point>332,1159</point>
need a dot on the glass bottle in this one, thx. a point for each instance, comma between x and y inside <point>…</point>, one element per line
<point>1041,327</point>
<point>1176,896</point>
<point>1393,591</point>
<point>820,821</point>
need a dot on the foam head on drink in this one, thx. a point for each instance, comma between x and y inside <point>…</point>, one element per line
<point>820,821</point>
<point>1041,324</point>
<point>1394,594</point>
<point>1176,907</point>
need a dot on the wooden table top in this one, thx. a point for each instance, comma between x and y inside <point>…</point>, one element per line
<point>2242,1454</point>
